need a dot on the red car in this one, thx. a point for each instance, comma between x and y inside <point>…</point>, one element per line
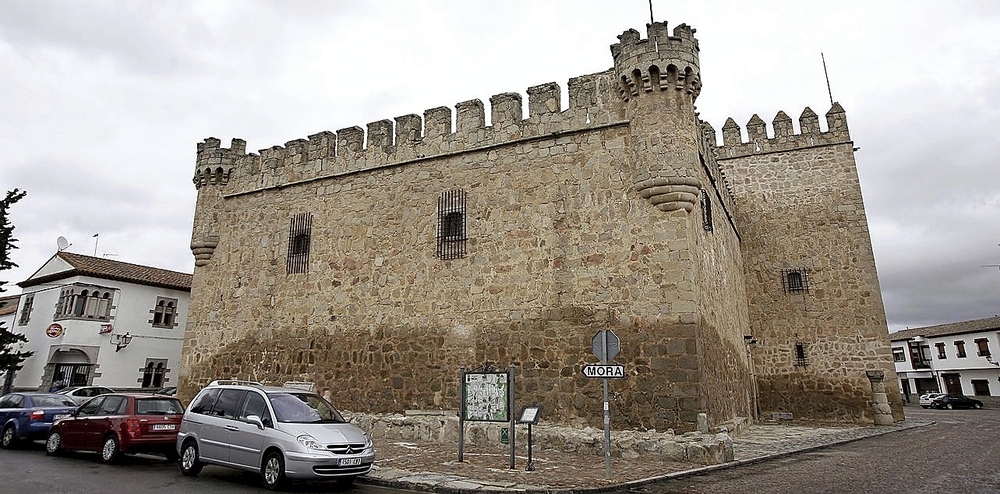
<point>119,423</point>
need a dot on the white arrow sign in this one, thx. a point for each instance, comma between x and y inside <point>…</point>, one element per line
<point>604,371</point>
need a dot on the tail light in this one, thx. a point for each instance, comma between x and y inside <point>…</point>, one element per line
<point>37,416</point>
<point>133,428</point>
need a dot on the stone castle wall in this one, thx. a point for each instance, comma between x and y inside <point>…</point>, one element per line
<point>799,208</point>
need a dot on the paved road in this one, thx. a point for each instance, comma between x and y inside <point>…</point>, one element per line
<point>29,470</point>
<point>960,453</point>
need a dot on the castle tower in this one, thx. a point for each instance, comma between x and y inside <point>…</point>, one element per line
<point>659,81</point>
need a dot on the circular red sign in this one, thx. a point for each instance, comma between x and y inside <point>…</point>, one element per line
<point>54,330</point>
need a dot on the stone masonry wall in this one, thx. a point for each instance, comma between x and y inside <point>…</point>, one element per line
<point>799,207</point>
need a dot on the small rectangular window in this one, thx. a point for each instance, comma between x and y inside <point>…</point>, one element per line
<point>960,349</point>
<point>981,387</point>
<point>451,225</point>
<point>898,355</point>
<point>299,240</point>
<point>982,347</point>
<point>26,310</point>
<point>940,349</point>
<point>794,280</point>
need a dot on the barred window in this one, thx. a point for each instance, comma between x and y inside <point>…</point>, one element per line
<point>299,238</point>
<point>794,280</point>
<point>801,358</point>
<point>451,225</point>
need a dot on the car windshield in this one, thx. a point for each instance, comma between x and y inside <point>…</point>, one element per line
<point>303,408</point>
<point>158,406</point>
<point>53,401</point>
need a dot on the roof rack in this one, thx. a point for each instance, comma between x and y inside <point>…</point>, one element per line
<point>233,382</point>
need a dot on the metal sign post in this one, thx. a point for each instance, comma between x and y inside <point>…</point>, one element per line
<point>606,346</point>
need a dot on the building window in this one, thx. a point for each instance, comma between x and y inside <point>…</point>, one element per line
<point>451,225</point>
<point>706,211</point>
<point>153,372</point>
<point>940,349</point>
<point>299,239</point>
<point>794,280</point>
<point>898,355</point>
<point>85,302</point>
<point>164,313</point>
<point>983,347</point>
<point>960,349</point>
<point>981,387</point>
<point>801,359</point>
<point>26,310</point>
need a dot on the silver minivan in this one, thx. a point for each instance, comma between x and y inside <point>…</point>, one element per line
<point>282,433</point>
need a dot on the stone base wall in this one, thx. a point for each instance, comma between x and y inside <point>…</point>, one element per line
<point>442,428</point>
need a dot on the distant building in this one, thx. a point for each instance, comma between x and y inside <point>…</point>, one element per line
<point>961,357</point>
<point>97,321</point>
<point>738,275</point>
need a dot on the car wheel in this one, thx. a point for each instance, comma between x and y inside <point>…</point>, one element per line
<point>273,471</point>
<point>8,439</point>
<point>190,464</point>
<point>950,406</point>
<point>110,451</point>
<point>53,443</point>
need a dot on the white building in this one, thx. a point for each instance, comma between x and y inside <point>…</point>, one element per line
<point>961,357</point>
<point>96,321</point>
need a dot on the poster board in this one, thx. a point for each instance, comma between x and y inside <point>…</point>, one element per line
<point>486,397</point>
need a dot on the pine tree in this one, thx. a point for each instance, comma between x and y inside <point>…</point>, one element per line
<point>10,358</point>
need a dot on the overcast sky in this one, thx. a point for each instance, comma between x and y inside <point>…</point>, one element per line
<point>102,104</point>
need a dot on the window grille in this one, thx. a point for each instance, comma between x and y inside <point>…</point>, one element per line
<point>706,210</point>
<point>801,359</point>
<point>451,225</point>
<point>794,280</point>
<point>299,238</point>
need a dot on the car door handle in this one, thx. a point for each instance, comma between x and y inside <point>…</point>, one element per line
<point>232,428</point>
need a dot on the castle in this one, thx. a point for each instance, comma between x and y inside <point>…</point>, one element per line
<point>739,277</point>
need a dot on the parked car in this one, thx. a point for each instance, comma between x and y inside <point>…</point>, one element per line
<point>80,394</point>
<point>927,399</point>
<point>28,416</point>
<point>119,423</point>
<point>951,401</point>
<point>281,433</point>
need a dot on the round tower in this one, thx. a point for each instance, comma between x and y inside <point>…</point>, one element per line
<point>214,165</point>
<point>659,80</point>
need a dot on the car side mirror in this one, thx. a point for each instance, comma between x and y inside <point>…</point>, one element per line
<point>255,420</point>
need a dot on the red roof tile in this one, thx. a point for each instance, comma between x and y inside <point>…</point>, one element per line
<point>99,267</point>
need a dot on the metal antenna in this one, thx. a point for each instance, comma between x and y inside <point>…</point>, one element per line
<point>825,74</point>
<point>650,11</point>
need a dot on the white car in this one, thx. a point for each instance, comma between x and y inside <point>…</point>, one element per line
<point>927,399</point>
<point>80,394</point>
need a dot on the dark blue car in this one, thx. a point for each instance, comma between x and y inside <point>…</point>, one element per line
<point>28,416</point>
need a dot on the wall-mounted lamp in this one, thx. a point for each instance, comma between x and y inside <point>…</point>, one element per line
<point>121,340</point>
<point>989,358</point>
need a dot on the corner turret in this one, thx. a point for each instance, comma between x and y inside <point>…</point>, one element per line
<point>658,63</point>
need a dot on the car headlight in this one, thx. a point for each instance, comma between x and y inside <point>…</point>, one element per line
<point>310,442</point>
<point>369,444</point>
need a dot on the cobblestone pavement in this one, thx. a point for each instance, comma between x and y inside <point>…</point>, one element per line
<point>435,467</point>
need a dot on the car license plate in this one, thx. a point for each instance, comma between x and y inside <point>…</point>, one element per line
<point>58,416</point>
<point>164,427</point>
<point>350,462</point>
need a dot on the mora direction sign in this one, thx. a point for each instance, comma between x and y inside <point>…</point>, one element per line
<point>604,371</point>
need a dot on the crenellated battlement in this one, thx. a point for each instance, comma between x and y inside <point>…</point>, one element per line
<point>783,138</point>
<point>659,62</point>
<point>407,138</point>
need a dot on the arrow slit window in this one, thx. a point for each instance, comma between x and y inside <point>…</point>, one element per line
<point>451,225</point>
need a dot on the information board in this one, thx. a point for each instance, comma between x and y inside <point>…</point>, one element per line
<point>486,397</point>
